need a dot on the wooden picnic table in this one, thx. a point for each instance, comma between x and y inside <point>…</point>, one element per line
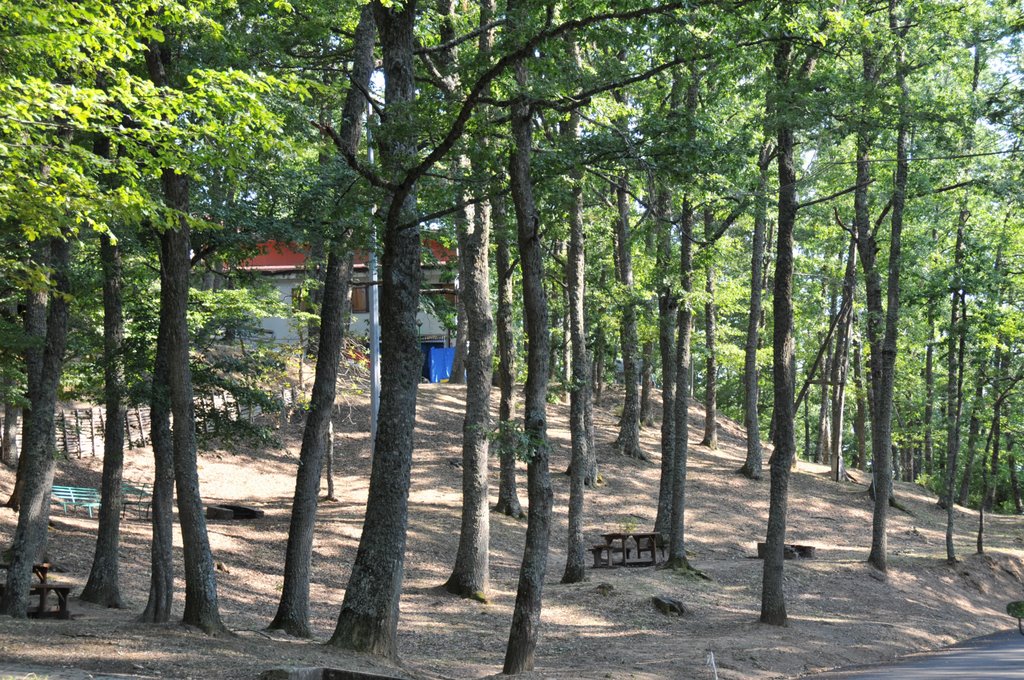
<point>646,542</point>
<point>42,589</point>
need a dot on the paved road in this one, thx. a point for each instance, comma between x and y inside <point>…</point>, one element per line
<point>1000,655</point>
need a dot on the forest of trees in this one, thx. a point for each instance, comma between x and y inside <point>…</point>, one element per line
<point>805,215</point>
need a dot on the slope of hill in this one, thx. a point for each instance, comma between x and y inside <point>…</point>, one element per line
<point>841,612</point>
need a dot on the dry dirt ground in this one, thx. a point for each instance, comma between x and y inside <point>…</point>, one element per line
<point>840,612</point>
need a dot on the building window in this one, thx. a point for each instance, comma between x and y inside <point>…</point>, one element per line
<point>360,300</point>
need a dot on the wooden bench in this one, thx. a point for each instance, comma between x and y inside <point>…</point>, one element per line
<point>42,609</point>
<point>602,553</point>
<point>139,496</point>
<point>76,497</point>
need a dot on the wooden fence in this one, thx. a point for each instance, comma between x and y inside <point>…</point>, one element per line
<point>79,431</point>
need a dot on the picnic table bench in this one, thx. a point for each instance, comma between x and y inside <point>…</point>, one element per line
<point>615,544</point>
<point>42,589</point>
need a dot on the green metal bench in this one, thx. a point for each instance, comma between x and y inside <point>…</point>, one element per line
<point>139,496</point>
<point>76,497</point>
<point>1016,609</point>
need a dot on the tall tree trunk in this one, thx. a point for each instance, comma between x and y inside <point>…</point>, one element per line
<point>929,394</point>
<point>471,573</point>
<point>293,609</point>
<point>103,586</point>
<point>821,444</point>
<point>368,621</point>
<point>7,444</point>
<point>29,542</point>
<point>954,388</point>
<point>860,413</point>
<point>751,376</point>
<point>161,580</point>
<point>710,439</point>
<point>681,447</point>
<point>647,384</point>
<point>841,364</point>
<point>522,641</point>
<point>584,462</point>
<point>973,431</point>
<point>1002,364</point>
<point>882,316</point>
<point>957,332</point>
<point>684,329</point>
<point>668,309</point>
<point>470,576</point>
<point>628,442</point>
<point>458,374</point>
<point>773,603</point>
<point>201,608</point>
<point>508,498</point>
<point>989,479</point>
<point>1011,461</point>
<point>35,332</point>
<point>292,613</point>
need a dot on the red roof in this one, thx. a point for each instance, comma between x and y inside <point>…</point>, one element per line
<point>276,256</point>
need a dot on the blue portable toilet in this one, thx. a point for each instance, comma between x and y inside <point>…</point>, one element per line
<point>437,361</point>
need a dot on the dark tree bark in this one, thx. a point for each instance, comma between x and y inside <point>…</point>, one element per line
<point>973,431</point>
<point>751,376</point>
<point>668,309</point>
<point>161,580</point>
<point>1011,461</point>
<point>35,330</point>
<point>103,587</point>
<point>458,374</point>
<point>929,393</point>
<point>860,414</point>
<point>368,621</point>
<point>647,384</point>
<point>11,417</point>
<point>584,462</point>
<point>710,439</point>
<point>882,316</point>
<point>989,478</point>
<point>628,442</point>
<point>821,444</point>
<point>329,454</point>
<point>471,573</point>
<point>508,498</point>
<point>773,602</point>
<point>954,386</point>
<point>293,609</point>
<point>522,641</point>
<point>681,446</point>
<point>201,608</point>
<point>29,542</point>
<point>841,364</point>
